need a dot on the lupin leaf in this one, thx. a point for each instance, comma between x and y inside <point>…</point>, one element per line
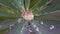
<point>45,6</point>
<point>55,16</point>
<point>37,6</point>
<point>7,10</point>
<point>45,27</point>
<point>19,3</point>
<point>7,24</point>
<point>10,4</point>
<point>18,28</point>
<point>46,14</point>
<point>52,16</point>
<point>4,31</point>
<point>33,2</point>
<point>27,4</point>
<point>7,16</point>
<point>55,6</point>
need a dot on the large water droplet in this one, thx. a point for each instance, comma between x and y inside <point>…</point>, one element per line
<point>52,27</point>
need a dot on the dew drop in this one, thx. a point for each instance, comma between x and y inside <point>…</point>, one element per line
<point>34,25</point>
<point>52,27</point>
<point>22,29</point>
<point>20,2</point>
<point>19,20</point>
<point>12,25</point>
<point>0,26</point>
<point>37,29</point>
<point>30,30</point>
<point>41,22</point>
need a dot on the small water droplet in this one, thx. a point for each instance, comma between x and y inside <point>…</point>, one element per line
<point>0,26</point>
<point>19,20</point>
<point>41,22</point>
<point>37,29</point>
<point>10,28</point>
<point>34,25</point>
<point>12,25</point>
<point>22,29</point>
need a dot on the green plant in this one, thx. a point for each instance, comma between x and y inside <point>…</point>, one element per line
<point>29,16</point>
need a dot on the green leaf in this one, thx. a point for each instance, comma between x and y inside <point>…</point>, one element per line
<point>4,31</point>
<point>7,10</point>
<point>4,14</point>
<point>38,5</point>
<point>52,22</point>
<point>8,4</point>
<point>7,14</point>
<point>45,6</point>
<point>35,24</point>
<point>18,28</point>
<point>27,4</point>
<point>55,6</point>
<point>33,2</point>
<point>52,16</point>
<point>6,18</point>
<point>7,24</point>
<point>45,27</point>
<point>19,3</point>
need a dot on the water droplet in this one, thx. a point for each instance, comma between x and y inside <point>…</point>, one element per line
<point>22,29</point>
<point>30,30</point>
<point>20,2</point>
<point>19,20</point>
<point>41,22</point>
<point>34,25</point>
<point>0,26</point>
<point>12,25</point>
<point>37,29</point>
<point>52,27</point>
